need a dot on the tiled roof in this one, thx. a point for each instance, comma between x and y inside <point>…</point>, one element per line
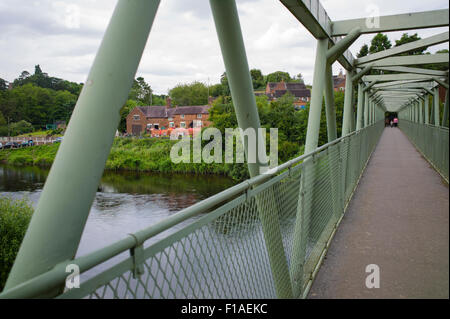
<point>197,109</point>
<point>161,111</point>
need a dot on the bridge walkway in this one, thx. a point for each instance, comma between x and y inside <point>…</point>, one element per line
<point>398,219</point>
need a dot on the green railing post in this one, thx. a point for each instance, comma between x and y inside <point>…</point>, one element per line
<point>436,107</point>
<point>366,109</point>
<point>446,110</point>
<point>359,111</point>
<point>330,108</point>
<point>58,222</point>
<point>304,216</point>
<point>228,29</point>
<point>348,106</point>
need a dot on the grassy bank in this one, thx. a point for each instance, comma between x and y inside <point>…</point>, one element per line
<point>14,218</point>
<point>149,155</point>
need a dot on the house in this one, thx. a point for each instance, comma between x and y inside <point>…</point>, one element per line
<point>339,82</point>
<point>275,90</point>
<point>143,119</point>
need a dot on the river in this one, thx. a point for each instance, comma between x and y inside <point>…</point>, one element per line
<point>125,201</point>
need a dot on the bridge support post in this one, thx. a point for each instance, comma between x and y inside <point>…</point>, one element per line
<point>427,109</point>
<point>446,110</point>
<point>366,108</point>
<point>228,29</point>
<point>348,105</point>
<point>304,216</point>
<point>359,110</point>
<point>63,208</point>
<point>436,107</point>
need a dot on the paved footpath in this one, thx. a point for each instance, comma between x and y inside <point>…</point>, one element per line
<point>398,219</point>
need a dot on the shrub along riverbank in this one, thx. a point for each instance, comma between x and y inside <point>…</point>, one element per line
<point>14,218</point>
<point>149,155</point>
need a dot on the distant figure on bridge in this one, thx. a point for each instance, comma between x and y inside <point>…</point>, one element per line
<point>386,122</point>
<point>391,123</point>
<point>395,121</point>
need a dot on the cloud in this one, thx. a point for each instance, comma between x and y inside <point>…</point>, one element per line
<point>63,37</point>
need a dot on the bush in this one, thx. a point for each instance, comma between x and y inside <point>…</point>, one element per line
<point>21,127</point>
<point>15,216</point>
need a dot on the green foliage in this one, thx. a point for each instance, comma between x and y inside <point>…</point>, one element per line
<point>195,93</point>
<point>379,43</point>
<point>42,80</point>
<point>257,79</point>
<point>141,91</point>
<point>15,216</point>
<point>407,39</point>
<point>36,105</point>
<point>363,51</point>
<point>278,76</point>
<point>21,127</point>
<point>3,85</point>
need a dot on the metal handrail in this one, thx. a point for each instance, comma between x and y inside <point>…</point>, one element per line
<point>54,277</point>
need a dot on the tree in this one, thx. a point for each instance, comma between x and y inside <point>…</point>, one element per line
<point>257,79</point>
<point>225,86</point>
<point>141,91</point>
<point>195,93</point>
<point>21,127</point>
<point>379,43</point>
<point>363,51</point>
<point>3,85</point>
<point>407,39</point>
<point>299,78</point>
<point>278,76</point>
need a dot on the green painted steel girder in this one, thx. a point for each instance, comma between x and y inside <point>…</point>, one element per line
<point>316,20</point>
<point>361,73</point>
<point>437,58</point>
<point>397,22</point>
<point>404,48</point>
<point>229,32</point>
<point>412,70</point>
<point>341,46</point>
<point>63,208</point>
<point>397,77</point>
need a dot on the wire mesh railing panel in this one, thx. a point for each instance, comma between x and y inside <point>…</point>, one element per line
<point>222,250</point>
<point>431,141</point>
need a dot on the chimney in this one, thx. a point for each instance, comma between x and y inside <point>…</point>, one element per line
<point>168,102</point>
<point>210,100</point>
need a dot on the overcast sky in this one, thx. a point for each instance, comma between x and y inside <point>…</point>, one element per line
<point>63,37</point>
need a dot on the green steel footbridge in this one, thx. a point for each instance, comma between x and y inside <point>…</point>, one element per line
<point>266,237</point>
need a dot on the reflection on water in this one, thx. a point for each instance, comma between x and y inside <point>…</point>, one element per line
<point>125,201</point>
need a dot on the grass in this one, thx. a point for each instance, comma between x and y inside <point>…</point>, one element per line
<point>147,155</point>
<point>15,216</point>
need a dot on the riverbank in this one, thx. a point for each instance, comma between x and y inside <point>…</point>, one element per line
<point>146,155</point>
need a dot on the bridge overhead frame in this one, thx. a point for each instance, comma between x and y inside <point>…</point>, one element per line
<point>406,90</point>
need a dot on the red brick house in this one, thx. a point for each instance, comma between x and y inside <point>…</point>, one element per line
<point>144,118</point>
<point>275,90</point>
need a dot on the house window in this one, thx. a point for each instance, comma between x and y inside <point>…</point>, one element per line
<point>182,124</point>
<point>136,117</point>
<point>199,116</point>
<point>182,116</point>
<point>171,124</point>
<point>197,123</point>
<point>156,126</point>
<point>170,118</point>
<point>149,126</point>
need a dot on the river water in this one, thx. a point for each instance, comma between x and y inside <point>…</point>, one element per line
<point>125,201</point>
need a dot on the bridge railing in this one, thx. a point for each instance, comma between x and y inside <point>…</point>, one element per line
<point>216,248</point>
<point>431,141</point>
